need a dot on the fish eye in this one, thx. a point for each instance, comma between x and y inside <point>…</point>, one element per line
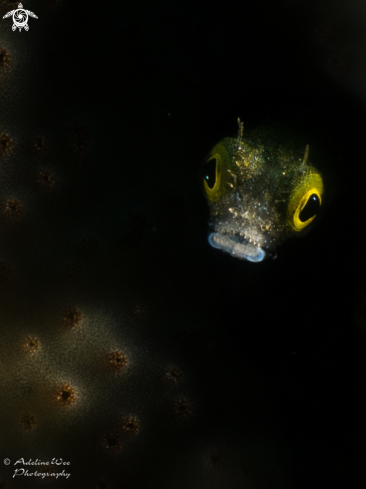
<point>210,172</point>
<point>307,209</point>
<point>305,201</point>
<point>211,177</point>
<point>310,209</point>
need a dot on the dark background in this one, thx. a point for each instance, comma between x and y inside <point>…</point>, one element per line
<point>157,84</point>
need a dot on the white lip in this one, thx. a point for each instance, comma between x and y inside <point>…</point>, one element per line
<point>247,251</point>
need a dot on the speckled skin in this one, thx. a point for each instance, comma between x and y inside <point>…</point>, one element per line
<point>261,172</point>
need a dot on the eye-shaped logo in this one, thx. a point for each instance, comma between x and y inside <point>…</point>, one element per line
<point>20,17</point>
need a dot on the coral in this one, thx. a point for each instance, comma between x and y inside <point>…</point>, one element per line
<point>117,360</point>
<point>30,344</point>
<point>182,407</point>
<point>131,425</point>
<point>13,208</point>
<point>28,422</point>
<point>173,376</point>
<point>72,317</point>
<point>6,144</point>
<point>5,59</point>
<point>45,179</point>
<point>66,395</point>
<point>126,347</point>
<point>112,442</point>
<point>39,145</point>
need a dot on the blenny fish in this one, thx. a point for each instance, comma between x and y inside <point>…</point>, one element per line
<point>261,189</point>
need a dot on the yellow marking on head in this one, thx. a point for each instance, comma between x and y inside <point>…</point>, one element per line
<point>311,184</point>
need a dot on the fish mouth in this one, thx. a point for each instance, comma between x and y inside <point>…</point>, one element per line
<point>237,246</point>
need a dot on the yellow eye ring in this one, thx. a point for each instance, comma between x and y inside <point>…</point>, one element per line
<point>214,193</point>
<point>297,223</point>
<point>311,185</point>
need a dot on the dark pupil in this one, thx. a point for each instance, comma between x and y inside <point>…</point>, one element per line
<point>311,208</point>
<point>209,174</point>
